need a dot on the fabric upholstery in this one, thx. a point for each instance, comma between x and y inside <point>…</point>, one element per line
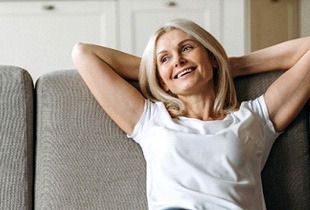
<point>16,138</point>
<point>84,161</point>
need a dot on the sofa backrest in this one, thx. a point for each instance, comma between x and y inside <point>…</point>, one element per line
<point>286,175</point>
<point>84,161</point>
<point>16,138</point>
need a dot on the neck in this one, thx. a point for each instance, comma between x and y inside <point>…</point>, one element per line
<point>200,107</point>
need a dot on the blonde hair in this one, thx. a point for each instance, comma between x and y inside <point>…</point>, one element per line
<point>225,94</point>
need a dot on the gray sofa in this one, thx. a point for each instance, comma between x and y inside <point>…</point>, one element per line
<point>59,149</point>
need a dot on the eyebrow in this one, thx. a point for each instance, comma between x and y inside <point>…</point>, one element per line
<point>180,43</point>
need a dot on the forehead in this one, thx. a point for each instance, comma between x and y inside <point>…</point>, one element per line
<point>171,38</point>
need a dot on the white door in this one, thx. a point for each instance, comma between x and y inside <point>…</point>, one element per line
<point>39,35</point>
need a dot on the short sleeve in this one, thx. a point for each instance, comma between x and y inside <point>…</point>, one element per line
<point>260,107</point>
<point>270,135</point>
<point>148,112</point>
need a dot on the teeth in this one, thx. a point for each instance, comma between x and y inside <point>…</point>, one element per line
<point>183,73</point>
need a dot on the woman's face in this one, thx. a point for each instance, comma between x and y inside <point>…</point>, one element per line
<point>183,64</point>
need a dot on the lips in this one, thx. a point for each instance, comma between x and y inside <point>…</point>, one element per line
<point>184,72</point>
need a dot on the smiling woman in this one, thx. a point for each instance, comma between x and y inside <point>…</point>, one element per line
<point>181,58</point>
<point>203,150</point>
<point>172,44</point>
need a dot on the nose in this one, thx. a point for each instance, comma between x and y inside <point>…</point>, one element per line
<point>179,61</point>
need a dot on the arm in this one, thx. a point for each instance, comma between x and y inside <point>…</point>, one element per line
<point>278,57</point>
<point>105,72</point>
<point>289,93</point>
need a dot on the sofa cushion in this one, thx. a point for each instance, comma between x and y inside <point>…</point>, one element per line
<point>84,161</point>
<point>16,138</point>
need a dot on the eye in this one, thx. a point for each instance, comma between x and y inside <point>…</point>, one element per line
<point>186,48</point>
<point>164,59</point>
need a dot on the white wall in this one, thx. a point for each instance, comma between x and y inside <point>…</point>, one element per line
<point>304,23</point>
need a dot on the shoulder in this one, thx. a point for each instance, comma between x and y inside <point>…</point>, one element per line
<point>255,109</point>
<point>152,108</point>
<point>154,112</point>
<point>257,106</point>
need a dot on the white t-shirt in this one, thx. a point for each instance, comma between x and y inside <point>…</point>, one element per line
<point>196,164</point>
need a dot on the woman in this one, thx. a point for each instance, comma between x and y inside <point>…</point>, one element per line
<point>203,149</point>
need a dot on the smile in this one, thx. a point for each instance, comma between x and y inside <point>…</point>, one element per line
<point>184,72</point>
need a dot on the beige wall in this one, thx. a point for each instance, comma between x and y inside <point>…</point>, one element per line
<point>304,18</point>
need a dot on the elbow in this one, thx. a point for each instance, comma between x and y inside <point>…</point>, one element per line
<point>79,55</point>
<point>77,52</point>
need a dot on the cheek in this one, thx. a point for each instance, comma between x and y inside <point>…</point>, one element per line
<point>163,73</point>
<point>162,76</point>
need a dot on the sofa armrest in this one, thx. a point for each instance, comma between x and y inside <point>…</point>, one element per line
<point>16,138</point>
